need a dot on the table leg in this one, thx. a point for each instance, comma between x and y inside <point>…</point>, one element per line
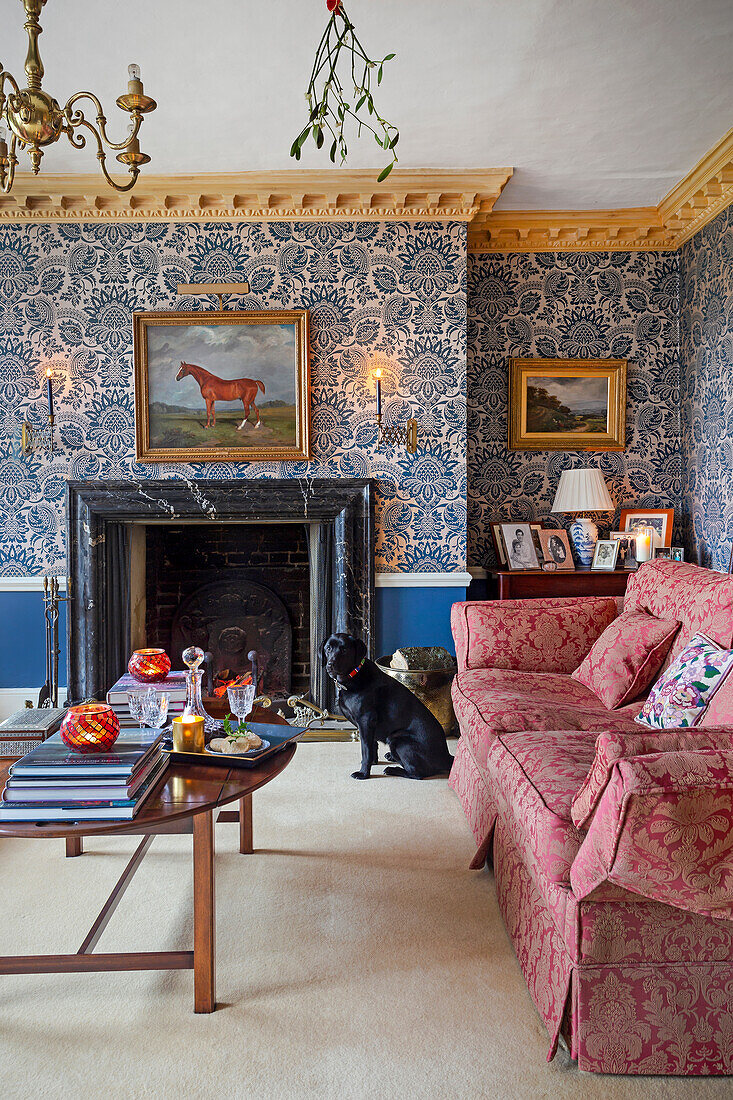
<point>74,846</point>
<point>204,923</point>
<point>245,825</point>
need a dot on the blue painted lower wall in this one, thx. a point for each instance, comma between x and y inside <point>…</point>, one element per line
<point>414,616</point>
<point>404,616</point>
<point>22,641</point>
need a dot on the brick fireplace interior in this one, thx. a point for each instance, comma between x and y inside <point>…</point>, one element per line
<point>228,588</point>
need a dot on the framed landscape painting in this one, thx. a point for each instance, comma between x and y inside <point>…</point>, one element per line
<point>222,387</point>
<point>567,404</point>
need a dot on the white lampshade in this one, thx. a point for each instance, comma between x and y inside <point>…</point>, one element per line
<point>582,491</point>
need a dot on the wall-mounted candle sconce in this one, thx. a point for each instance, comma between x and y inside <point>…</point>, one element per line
<point>397,435</point>
<point>39,440</point>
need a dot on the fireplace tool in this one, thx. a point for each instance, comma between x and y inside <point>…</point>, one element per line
<point>49,693</point>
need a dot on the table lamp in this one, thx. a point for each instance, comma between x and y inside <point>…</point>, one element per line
<point>582,491</point>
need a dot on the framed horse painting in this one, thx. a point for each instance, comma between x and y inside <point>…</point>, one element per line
<point>222,386</point>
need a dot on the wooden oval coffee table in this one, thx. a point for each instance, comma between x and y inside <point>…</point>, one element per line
<point>185,793</point>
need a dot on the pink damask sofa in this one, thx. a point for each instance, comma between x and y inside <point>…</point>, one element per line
<point>622,923</point>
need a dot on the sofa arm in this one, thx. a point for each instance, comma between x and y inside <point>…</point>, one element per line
<point>551,635</point>
<point>663,829</point>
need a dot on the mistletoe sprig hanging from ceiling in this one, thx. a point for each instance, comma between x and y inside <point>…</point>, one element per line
<point>330,104</point>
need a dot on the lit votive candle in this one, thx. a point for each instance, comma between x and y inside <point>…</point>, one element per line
<point>643,537</point>
<point>188,734</point>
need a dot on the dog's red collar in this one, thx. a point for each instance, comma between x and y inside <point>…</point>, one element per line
<point>354,671</point>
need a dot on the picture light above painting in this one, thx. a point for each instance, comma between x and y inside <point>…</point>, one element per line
<point>567,404</point>
<point>225,386</point>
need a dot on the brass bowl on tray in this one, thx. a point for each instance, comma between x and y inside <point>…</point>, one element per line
<point>431,686</point>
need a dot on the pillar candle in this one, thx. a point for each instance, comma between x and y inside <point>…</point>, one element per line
<point>643,537</point>
<point>188,734</point>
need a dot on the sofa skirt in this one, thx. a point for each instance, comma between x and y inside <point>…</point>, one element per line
<point>660,1018</point>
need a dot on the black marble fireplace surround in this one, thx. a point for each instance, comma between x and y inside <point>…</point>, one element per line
<point>102,515</point>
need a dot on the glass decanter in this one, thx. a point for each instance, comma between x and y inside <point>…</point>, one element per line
<point>192,658</point>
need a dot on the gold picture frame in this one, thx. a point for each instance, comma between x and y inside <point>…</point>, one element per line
<point>597,416</point>
<point>248,374</point>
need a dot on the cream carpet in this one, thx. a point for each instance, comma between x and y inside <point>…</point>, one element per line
<point>357,957</point>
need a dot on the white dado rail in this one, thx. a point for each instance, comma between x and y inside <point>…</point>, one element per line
<point>382,580</point>
<point>422,580</point>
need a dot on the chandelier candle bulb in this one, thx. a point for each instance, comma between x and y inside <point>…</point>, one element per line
<point>134,84</point>
<point>378,376</point>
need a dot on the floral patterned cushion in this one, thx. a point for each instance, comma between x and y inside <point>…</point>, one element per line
<point>627,656</point>
<point>612,747</point>
<point>524,635</point>
<point>663,828</point>
<point>681,694</point>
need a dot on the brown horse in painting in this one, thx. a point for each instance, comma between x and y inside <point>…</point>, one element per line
<point>219,389</point>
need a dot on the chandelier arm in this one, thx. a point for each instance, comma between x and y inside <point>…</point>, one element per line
<point>137,119</point>
<point>5,75</point>
<point>8,175</point>
<point>78,141</point>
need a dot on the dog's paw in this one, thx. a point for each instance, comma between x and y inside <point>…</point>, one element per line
<point>359,775</point>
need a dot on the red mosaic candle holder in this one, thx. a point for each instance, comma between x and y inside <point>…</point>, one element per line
<point>149,666</point>
<point>91,727</point>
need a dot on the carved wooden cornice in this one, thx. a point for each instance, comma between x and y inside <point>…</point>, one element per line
<point>695,201</point>
<point>568,231</point>
<point>406,195</point>
<point>303,195</point>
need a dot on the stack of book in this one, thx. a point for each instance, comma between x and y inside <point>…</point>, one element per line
<point>54,783</point>
<point>174,686</point>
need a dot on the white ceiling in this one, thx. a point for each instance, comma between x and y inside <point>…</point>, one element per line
<point>595,103</point>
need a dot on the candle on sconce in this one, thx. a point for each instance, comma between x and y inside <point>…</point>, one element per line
<point>188,733</point>
<point>643,539</point>
<point>378,376</point>
<point>49,391</point>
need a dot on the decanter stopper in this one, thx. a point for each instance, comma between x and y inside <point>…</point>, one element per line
<point>192,657</point>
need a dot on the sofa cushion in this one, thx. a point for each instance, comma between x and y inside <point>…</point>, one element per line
<point>663,828</point>
<point>682,693</point>
<point>612,747</point>
<point>489,701</point>
<point>628,655</point>
<point>534,776</point>
<point>701,599</point>
<point>552,634</point>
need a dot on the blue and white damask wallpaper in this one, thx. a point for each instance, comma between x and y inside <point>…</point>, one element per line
<point>394,290</point>
<point>706,346</point>
<point>616,305</point>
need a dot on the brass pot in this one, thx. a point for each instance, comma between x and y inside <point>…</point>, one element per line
<point>431,686</point>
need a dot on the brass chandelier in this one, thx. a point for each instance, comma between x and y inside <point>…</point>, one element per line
<point>36,120</point>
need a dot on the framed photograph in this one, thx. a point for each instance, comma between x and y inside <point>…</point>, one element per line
<point>605,554</point>
<point>663,552</point>
<point>567,404</point>
<point>535,528</point>
<point>626,548</point>
<point>498,544</point>
<point>222,387</point>
<point>556,548</point>
<point>678,553</point>
<point>659,519</point>
<point>519,546</point>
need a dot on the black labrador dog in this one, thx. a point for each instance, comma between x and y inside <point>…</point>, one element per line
<point>384,710</point>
